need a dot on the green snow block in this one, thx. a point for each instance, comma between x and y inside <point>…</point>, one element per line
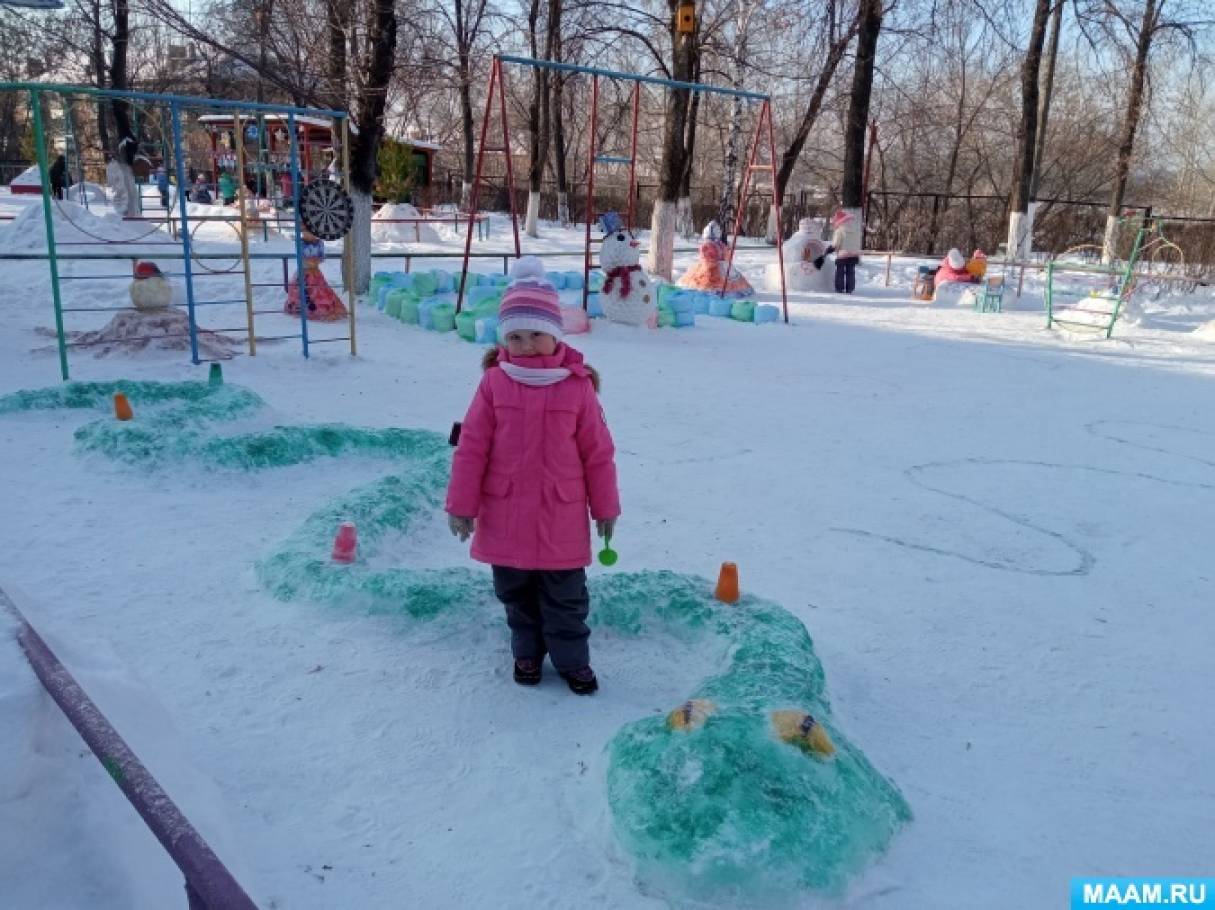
<point>666,291</point>
<point>666,317</point>
<point>394,300</point>
<point>743,310</point>
<point>595,281</point>
<point>424,284</point>
<point>409,309</point>
<point>443,317</point>
<point>466,325</point>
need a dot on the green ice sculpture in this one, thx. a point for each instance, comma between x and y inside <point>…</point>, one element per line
<point>719,808</point>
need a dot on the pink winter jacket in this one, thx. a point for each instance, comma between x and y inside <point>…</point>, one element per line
<point>530,462</point>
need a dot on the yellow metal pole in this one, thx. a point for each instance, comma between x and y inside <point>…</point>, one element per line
<point>239,134</point>
<point>347,244</point>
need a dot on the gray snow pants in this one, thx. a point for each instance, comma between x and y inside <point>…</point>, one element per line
<point>546,612</point>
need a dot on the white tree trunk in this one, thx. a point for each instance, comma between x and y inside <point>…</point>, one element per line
<point>684,225</point>
<point>360,237</point>
<point>1020,236</point>
<point>659,261</point>
<point>770,232</point>
<point>563,209</point>
<point>465,194</point>
<point>530,226</point>
<point>1109,245</point>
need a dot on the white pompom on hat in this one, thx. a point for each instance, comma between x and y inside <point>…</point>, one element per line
<point>955,259</point>
<point>530,303</point>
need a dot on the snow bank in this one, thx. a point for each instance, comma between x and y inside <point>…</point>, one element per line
<point>73,223</point>
<point>383,231</point>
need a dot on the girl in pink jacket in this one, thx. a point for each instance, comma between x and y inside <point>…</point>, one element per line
<point>535,462</point>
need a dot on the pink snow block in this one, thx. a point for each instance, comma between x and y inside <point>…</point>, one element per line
<point>346,543</point>
<point>574,320</point>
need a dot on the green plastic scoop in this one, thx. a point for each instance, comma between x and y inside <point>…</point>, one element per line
<point>608,556</point>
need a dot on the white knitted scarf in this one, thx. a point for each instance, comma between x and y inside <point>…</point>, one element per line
<point>536,376</point>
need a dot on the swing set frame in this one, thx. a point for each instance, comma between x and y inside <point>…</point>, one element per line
<point>497,88</point>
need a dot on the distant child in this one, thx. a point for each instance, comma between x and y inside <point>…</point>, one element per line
<point>846,244</point>
<point>534,455</point>
<point>227,188</point>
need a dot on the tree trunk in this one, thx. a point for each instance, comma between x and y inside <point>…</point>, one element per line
<point>674,152</point>
<point>725,205</point>
<point>1020,228</point>
<point>869,26</point>
<point>338,21</point>
<point>685,223</point>
<point>127,143</point>
<point>1048,90</point>
<point>99,75</point>
<point>788,161</point>
<point>563,189</point>
<point>1130,124</point>
<point>379,49</point>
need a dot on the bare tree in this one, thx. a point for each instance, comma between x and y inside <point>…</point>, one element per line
<point>869,27</point>
<point>1020,226</point>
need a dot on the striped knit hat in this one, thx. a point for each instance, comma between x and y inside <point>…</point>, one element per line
<point>530,302</point>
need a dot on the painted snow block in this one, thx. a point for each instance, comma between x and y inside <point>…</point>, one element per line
<point>409,309</point>
<point>700,302</point>
<point>573,281</point>
<point>556,279</point>
<point>681,302</point>
<point>379,282</point>
<point>720,306</point>
<point>594,306</point>
<point>499,281</point>
<point>443,317</point>
<point>424,284</point>
<point>684,319</point>
<point>666,318</point>
<point>444,281</point>
<point>393,300</point>
<point>743,310</point>
<point>595,281</point>
<point>425,312</point>
<point>766,312</point>
<point>574,320</point>
<point>466,325</point>
<point>483,294</point>
<point>486,330</point>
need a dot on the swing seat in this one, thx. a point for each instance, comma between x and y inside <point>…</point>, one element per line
<point>990,298</point>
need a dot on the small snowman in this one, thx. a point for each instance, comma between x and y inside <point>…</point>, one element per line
<point>150,290</point>
<point>628,295</point>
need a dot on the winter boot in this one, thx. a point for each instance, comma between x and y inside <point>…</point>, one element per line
<point>581,682</point>
<point>528,672</point>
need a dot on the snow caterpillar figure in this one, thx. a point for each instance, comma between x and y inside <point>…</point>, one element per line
<point>628,294</point>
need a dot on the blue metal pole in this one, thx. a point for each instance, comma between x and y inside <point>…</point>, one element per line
<point>300,283</point>
<point>631,77</point>
<point>182,100</point>
<point>187,253</point>
<point>44,168</point>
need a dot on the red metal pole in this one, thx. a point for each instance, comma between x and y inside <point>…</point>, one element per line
<point>744,195</point>
<point>776,194</point>
<point>510,179</point>
<point>633,156</point>
<point>494,72</point>
<point>590,191</point>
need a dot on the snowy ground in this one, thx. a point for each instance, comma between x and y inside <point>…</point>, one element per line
<point>997,536</point>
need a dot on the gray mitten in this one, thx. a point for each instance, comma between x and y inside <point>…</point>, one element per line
<point>461,527</point>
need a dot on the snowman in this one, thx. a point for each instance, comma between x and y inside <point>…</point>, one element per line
<point>803,253</point>
<point>628,295</point>
<point>150,290</point>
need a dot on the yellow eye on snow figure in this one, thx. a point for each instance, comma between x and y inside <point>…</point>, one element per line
<point>691,715</point>
<point>803,731</point>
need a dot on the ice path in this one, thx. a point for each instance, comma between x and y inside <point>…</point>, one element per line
<point>723,810</point>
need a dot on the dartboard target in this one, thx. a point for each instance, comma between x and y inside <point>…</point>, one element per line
<point>326,209</point>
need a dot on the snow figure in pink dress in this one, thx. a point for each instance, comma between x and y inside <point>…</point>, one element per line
<point>707,272</point>
<point>323,304</point>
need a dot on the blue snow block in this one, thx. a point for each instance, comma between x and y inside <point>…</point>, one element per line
<point>720,306</point>
<point>500,281</point>
<point>481,294</point>
<point>473,279</point>
<point>443,281</point>
<point>766,312</point>
<point>700,302</point>
<point>556,279</point>
<point>594,308</point>
<point>681,302</point>
<point>486,329</point>
<point>573,281</point>
<point>425,320</point>
<point>684,319</point>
